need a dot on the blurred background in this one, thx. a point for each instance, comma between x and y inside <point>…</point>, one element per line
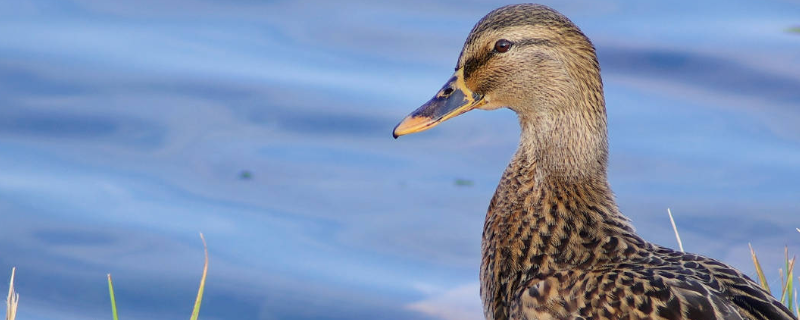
<point>126,127</point>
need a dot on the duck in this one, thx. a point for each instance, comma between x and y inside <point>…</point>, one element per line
<point>555,244</point>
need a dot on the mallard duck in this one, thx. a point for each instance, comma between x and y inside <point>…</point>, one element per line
<point>555,245</point>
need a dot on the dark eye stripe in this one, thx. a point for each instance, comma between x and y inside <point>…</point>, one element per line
<point>472,64</point>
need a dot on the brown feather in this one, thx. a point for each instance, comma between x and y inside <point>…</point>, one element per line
<point>555,246</point>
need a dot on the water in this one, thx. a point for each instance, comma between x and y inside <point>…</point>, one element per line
<point>127,127</point>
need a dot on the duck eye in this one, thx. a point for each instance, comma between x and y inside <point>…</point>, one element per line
<point>502,45</point>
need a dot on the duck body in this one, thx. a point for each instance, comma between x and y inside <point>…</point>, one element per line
<point>555,245</point>
<point>555,249</point>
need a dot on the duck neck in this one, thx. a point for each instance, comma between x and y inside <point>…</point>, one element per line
<point>553,211</point>
<point>541,223</point>
<point>566,142</point>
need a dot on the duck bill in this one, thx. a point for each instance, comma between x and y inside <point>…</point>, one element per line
<point>453,99</point>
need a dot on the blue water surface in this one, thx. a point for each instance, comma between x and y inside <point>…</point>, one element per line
<point>126,127</point>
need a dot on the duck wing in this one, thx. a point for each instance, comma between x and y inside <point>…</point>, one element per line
<point>667,285</point>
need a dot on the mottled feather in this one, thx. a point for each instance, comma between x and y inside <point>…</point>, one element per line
<point>555,245</point>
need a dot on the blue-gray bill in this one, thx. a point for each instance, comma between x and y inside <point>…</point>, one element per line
<point>453,99</point>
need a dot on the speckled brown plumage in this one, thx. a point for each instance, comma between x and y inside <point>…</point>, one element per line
<point>555,246</point>
<point>554,249</point>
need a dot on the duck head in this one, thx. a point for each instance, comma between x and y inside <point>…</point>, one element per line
<point>526,57</point>
<point>536,62</point>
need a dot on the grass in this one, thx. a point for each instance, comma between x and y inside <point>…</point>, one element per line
<point>677,235</point>
<point>13,298</point>
<point>788,294</point>
<point>197,301</point>
<point>762,279</point>
<point>113,299</point>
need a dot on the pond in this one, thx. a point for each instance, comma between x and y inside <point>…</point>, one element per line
<point>128,127</point>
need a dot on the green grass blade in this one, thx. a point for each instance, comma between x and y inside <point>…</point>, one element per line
<point>783,283</point>
<point>786,284</point>
<point>761,277</point>
<point>196,311</point>
<point>789,300</point>
<point>13,298</point>
<point>113,300</point>
<point>789,281</point>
